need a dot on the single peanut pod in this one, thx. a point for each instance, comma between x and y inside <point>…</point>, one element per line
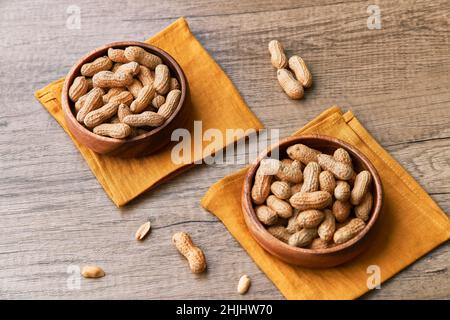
<point>290,171</point>
<point>171,104</point>
<point>349,231</point>
<point>311,177</point>
<point>78,88</point>
<point>194,255</point>
<point>327,182</point>
<point>302,153</point>
<point>130,67</point>
<point>277,55</point>
<point>266,215</point>
<point>123,111</point>
<point>244,284</point>
<point>124,97</point>
<point>261,187</point>
<point>311,200</point>
<point>117,55</point>
<point>293,225</point>
<point>111,93</point>
<point>296,188</point>
<point>113,130</point>
<point>343,156</point>
<point>145,76</point>
<point>142,231</point>
<point>162,79</point>
<point>327,227</point>
<point>135,87</point>
<point>281,207</point>
<point>341,210</point>
<point>158,101</point>
<point>340,170</point>
<point>144,119</point>
<point>174,84</point>
<point>310,218</point>
<point>363,209</point>
<point>280,233</point>
<point>360,187</point>
<point>301,71</point>
<point>79,104</point>
<point>100,115</point>
<point>100,64</point>
<point>290,85</point>
<point>302,238</point>
<point>143,57</point>
<point>319,243</point>
<point>93,101</point>
<point>109,79</point>
<point>92,272</point>
<point>143,99</point>
<point>281,189</point>
<point>342,190</point>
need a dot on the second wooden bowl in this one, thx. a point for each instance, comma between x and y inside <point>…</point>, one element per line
<point>317,258</point>
<point>141,145</point>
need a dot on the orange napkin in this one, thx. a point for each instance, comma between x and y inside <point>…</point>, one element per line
<point>410,225</point>
<point>215,101</point>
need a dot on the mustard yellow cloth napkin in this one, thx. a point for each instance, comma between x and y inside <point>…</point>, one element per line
<point>215,101</point>
<point>411,224</point>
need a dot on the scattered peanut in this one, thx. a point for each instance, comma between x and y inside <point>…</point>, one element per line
<point>278,57</point>
<point>192,253</point>
<point>92,272</point>
<point>290,85</point>
<point>142,231</point>
<point>244,284</point>
<point>301,71</point>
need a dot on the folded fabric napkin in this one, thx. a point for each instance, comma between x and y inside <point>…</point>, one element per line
<point>410,224</point>
<point>214,101</point>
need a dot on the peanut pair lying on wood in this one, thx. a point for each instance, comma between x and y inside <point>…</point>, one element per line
<point>312,200</point>
<point>294,80</point>
<point>124,94</point>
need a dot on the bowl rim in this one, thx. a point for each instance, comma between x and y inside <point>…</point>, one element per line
<point>120,45</point>
<point>249,210</point>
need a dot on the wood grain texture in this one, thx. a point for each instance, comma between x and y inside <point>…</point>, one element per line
<point>54,214</point>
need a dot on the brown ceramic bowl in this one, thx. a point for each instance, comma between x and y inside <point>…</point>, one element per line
<point>133,147</point>
<point>317,258</point>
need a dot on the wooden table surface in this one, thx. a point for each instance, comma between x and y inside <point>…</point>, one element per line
<point>54,216</point>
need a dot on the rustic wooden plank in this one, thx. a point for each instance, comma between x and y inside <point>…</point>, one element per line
<point>54,214</point>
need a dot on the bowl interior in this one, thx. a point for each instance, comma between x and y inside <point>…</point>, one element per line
<point>175,71</point>
<point>326,145</point>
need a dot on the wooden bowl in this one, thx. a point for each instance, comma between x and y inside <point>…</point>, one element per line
<point>141,145</point>
<point>317,258</point>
